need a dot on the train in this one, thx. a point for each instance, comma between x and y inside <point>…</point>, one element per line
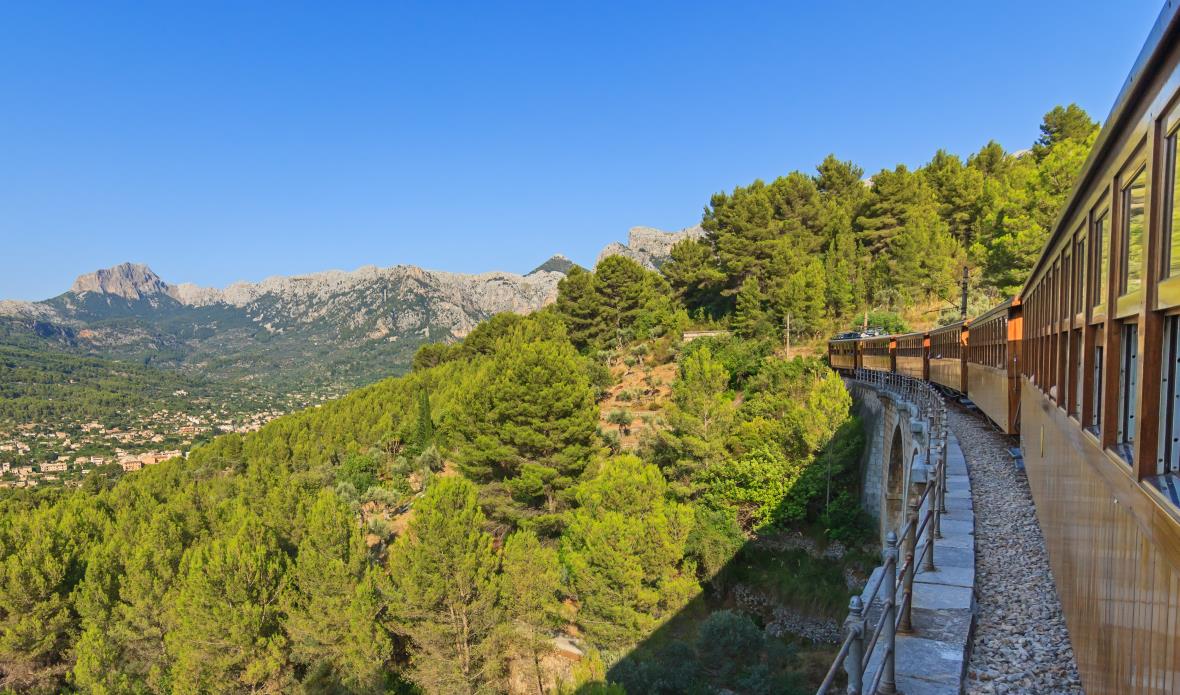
<point>1083,365</point>
<point>976,359</point>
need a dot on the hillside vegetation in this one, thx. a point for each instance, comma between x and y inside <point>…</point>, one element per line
<point>271,561</point>
<point>826,248</point>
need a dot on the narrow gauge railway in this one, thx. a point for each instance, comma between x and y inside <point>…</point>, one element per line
<point>1084,365</point>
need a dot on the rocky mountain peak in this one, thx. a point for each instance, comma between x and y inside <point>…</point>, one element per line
<point>650,247</point>
<point>127,280</point>
<point>556,264</point>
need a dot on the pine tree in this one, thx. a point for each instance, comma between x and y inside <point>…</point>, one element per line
<point>227,631</point>
<point>444,592</point>
<point>579,305</point>
<point>624,551</point>
<point>622,290</point>
<point>959,190</point>
<point>533,405</point>
<point>699,416</point>
<point>749,316</point>
<point>36,616</point>
<point>804,298</point>
<point>694,275</point>
<point>841,181</point>
<point>1063,123</point>
<point>320,597</point>
<point>124,643</point>
<point>531,598</point>
<point>845,269</point>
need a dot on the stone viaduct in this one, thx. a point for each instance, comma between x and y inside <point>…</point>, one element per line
<point>894,464</point>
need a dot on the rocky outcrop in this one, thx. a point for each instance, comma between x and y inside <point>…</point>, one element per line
<point>126,280</point>
<point>650,247</point>
<point>557,264</point>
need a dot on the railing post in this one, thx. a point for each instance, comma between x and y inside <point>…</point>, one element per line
<point>888,685</point>
<point>928,555</point>
<point>942,464</point>
<point>908,545</point>
<point>854,627</point>
<point>936,502</point>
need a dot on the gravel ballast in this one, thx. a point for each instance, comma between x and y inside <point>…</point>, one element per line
<point>1021,644</point>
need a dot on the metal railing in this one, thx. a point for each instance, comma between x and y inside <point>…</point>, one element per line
<point>921,528</point>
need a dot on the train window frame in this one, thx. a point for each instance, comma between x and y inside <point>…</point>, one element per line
<point>1080,304</point>
<point>1077,370</point>
<point>1168,287</point>
<point>1132,272</point>
<point>1097,352</point>
<point>1128,391</point>
<point>1166,475</point>
<point>1100,233</point>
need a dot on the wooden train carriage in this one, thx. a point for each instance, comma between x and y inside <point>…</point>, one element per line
<point>947,365</point>
<point>842,354</point>
<point>993,376</point>
<point>876,354</point>
<point>1100,387</point>
<point>911,355</point>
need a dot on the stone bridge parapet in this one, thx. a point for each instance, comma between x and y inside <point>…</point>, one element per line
<point>910,628</point>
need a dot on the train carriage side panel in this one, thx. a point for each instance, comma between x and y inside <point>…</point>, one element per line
<point>948,352</point>
<point>993,348</point>
<point>842,354</point>
<point>876,354</point>
<point>912,353</point>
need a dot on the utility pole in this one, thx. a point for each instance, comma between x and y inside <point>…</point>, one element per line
<point>788,335</point>
<point>963,303</point>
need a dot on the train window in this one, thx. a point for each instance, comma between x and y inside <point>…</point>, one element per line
<point>1131,248</point>
<point>1079,271</point>
<point>1095,425</point>
<point>1168,459</point>
<point>1171,216</point>
<point>1128,390</point>
<point>1102,258</point>
<point>1075,352</point>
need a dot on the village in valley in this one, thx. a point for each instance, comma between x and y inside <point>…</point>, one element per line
<point>63,453</point>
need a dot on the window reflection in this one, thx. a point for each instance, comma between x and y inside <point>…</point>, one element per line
<point>1134,199</point>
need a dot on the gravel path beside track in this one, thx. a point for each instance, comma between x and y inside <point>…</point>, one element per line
<point>1021,644</point>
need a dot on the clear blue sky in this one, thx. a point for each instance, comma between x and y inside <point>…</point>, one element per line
<point>219,142</point>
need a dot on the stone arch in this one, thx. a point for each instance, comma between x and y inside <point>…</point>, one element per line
<point>896,475</point>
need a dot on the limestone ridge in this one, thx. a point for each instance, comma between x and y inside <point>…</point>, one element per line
<point>458,300</point>
<point>337,329</point>
<point>334,329</point>
<point>650,247</point>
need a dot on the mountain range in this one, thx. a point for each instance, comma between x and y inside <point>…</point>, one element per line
<point>329,332</point>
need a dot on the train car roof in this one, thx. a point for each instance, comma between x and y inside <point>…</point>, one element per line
<point>1003,307</point>
<point>949,327</point>
<point>1123,116</point>
<point>912,334</point>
